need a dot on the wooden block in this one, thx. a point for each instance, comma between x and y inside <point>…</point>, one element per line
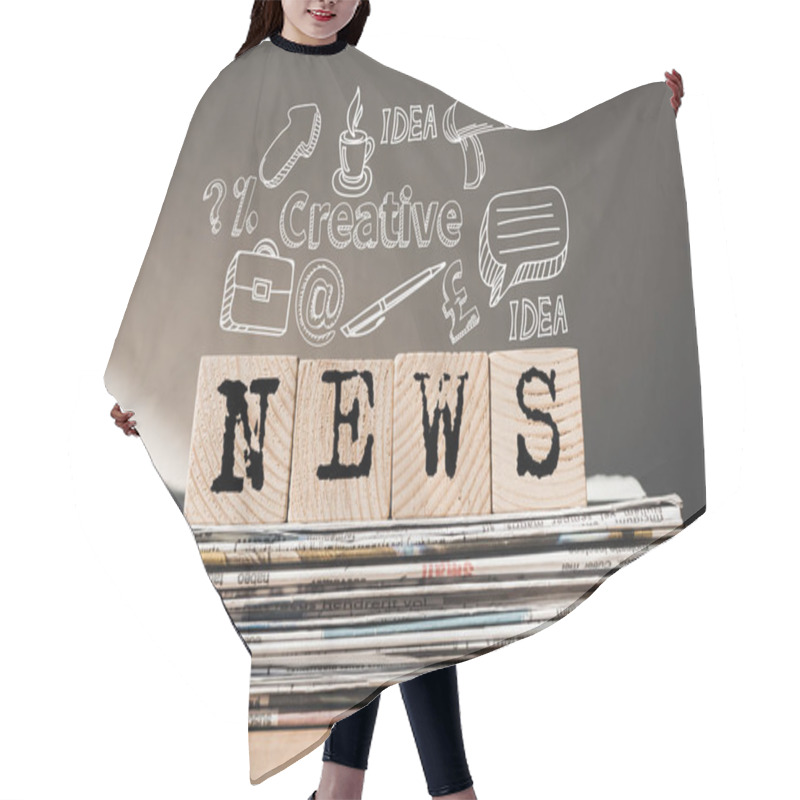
<point>240,456</point>
<point>537,430</point>
<point>441,464</point>
<point>342,451</point>
<point>273,751</point>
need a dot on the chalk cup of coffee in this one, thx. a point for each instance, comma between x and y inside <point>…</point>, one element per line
<point>355,150</point>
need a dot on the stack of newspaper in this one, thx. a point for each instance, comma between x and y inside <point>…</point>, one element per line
<point>332,613</point>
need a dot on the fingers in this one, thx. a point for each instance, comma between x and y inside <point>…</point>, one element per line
<point>130,429</point>
<point>118,413</point>
<point>675,81</point>
<point>677,89</point>
<point>123,420</point>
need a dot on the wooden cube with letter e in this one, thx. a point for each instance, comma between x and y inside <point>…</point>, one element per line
<point>342,450</point>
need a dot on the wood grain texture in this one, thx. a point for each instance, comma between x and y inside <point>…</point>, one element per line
<point>513,373</point>
<point>210,498</point>
<point>273,751</point>
<point>329,478</point>
<point>457,440</point>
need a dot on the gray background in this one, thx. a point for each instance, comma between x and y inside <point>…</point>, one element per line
<point>626,284</point>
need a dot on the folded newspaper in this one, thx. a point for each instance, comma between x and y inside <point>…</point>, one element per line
<point>376,345</point>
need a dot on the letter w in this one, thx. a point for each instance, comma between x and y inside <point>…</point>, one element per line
<point>452,429</point>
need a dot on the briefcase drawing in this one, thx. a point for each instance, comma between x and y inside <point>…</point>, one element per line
<point>258,289</point>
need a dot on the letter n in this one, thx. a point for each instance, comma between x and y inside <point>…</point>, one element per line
<point>238,470</point>
<point>237,415</point>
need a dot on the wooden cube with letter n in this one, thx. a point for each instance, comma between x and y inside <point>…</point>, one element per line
<point>241,446</point>
<point>441,462</point>
<point>342,451</point>
<point>537,430</point>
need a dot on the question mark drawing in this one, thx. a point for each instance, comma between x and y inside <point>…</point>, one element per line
<point>218,186</point>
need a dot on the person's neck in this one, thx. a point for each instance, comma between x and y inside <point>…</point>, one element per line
<point>294,34</point>
<point>338,44</point>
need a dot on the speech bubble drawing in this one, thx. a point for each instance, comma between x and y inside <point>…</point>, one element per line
<point>523,238</point>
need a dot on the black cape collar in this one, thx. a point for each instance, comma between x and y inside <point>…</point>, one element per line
<point>311,49</point>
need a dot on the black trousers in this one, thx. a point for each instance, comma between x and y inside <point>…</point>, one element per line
<point>432,706</point>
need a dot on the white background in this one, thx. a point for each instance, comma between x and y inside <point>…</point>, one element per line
<point>122,676</point>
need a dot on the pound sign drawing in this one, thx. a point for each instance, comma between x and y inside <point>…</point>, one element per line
<point>455,298</point>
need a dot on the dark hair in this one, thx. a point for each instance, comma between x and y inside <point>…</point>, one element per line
<point>266,18</point>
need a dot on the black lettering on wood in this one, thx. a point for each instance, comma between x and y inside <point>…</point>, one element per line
<point>525,462</point>
<point>452,430</point>
<point>234,392</point>
<point>336,470</point>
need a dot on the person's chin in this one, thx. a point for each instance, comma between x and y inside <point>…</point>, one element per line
<point>313,31</point>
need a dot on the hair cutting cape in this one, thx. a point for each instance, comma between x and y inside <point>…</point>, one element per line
<point>419,381</point>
